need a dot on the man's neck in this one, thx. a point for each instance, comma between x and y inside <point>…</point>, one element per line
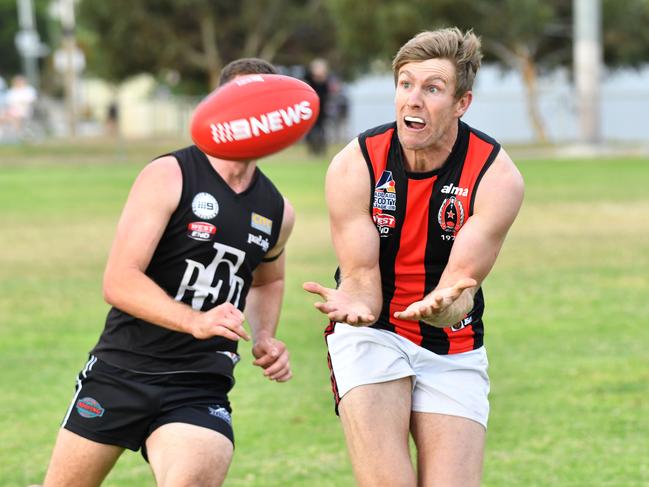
<point>237,174</point>
<point>432,157</point>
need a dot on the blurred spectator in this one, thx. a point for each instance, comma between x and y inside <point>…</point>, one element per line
<point>317,76</point>
<point>112,118</point>
<point>337,111</point>
<point>19,104</point>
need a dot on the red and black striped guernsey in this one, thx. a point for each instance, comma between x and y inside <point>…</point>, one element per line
<point>418,216</point>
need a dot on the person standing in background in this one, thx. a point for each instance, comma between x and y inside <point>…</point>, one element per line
<point>317,76</point>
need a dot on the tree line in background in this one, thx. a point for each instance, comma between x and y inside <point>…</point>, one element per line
<point>186,42</point>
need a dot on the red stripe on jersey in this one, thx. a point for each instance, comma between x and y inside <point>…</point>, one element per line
<point>378,147</point>
<point>461,340</point>
<point>409,268</point>
<point>476,155</point>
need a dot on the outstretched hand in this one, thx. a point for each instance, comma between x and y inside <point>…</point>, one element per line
<point>340,306</point>
<point>441,308</point>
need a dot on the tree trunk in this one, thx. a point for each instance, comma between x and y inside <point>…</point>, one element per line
<point>530,77</point>
<point>212,58</point>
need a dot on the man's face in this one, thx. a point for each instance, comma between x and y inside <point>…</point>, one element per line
<point>425,103</point>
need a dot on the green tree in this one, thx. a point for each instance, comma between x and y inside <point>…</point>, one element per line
<point>10,61</point>
<point>196,38</point>
<point>527,36</point>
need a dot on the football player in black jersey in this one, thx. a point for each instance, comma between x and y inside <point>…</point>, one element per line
<point>199,240</point>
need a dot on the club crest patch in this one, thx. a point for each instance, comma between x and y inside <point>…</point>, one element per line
<point>385,193</point>
<point>451,215</point>
<point>204,206</point>
<point>89,408</point>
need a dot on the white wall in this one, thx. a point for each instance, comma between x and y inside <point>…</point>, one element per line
<point>499,105</point>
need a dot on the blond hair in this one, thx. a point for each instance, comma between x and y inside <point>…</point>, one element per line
<point>462,49</point>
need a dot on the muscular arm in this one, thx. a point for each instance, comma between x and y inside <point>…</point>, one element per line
<point>356,242</point>
<point>153,198</point>
<point>498,200</point>
<point>263,306</point>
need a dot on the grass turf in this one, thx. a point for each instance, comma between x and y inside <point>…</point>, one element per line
<point>566,322</point>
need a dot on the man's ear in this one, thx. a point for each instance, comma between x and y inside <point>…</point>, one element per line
<point>463,103</point>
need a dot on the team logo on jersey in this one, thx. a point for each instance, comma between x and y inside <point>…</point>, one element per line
<point>385,195</point>
<point>204,206</point>
<point>201,231</point>
<point>199,279</point>
<point>261,223</point>
<point>259,240</point>
<point>383,221</point>
<point>89,408</point>
<point>221,413</point>
<point>451,215</point>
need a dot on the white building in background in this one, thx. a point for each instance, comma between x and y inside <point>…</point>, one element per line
<point>499,105</point>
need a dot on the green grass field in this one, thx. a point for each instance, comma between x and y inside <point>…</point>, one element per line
<point>567,322</point>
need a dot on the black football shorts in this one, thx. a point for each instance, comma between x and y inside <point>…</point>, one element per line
<point>119,407</point>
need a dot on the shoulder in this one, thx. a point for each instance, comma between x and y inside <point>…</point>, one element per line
<point>348,161</point>
<point>502,183</point>
<point>164,168</point>
<point>161,180</point>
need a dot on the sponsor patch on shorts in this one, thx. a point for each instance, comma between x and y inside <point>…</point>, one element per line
<point>220,412</point>
<point>89,408</point>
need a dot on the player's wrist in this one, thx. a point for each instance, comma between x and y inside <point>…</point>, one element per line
<point>186,320</point>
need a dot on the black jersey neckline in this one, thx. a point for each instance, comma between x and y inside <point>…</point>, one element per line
<point>251,186</point>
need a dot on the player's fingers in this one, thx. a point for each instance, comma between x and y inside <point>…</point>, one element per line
<point>325,307</point>
<point>226,333</point>
<point>284,377</point>
<point>235,326</point>
<point>238,314</point>
<point>277,367</point>
<point>315,288</point>
<point>264,361</point>
<point>367,319</point>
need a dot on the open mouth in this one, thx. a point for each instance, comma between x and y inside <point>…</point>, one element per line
<point>415,123</point>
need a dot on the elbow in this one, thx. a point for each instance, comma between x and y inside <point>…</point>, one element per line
<point>110,289</point>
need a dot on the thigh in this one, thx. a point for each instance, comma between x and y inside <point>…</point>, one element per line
<point>449,450</point>
<point>375,420</point>
<point>184,454</point>
<point>361,355</point>
<point>79,462</point>
<point>111,406</point>
<point>453,385</point>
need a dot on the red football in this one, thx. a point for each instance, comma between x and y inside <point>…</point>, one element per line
<point>254,116</point>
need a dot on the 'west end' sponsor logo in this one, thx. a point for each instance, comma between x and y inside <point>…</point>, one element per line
<point>201,231</point>
<point>247,128</point>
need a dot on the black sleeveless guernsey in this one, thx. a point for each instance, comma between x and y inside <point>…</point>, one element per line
<point>418,216</point>
<point>213,242</point>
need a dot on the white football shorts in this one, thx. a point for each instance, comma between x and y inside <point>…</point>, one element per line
<point>455,384</point>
